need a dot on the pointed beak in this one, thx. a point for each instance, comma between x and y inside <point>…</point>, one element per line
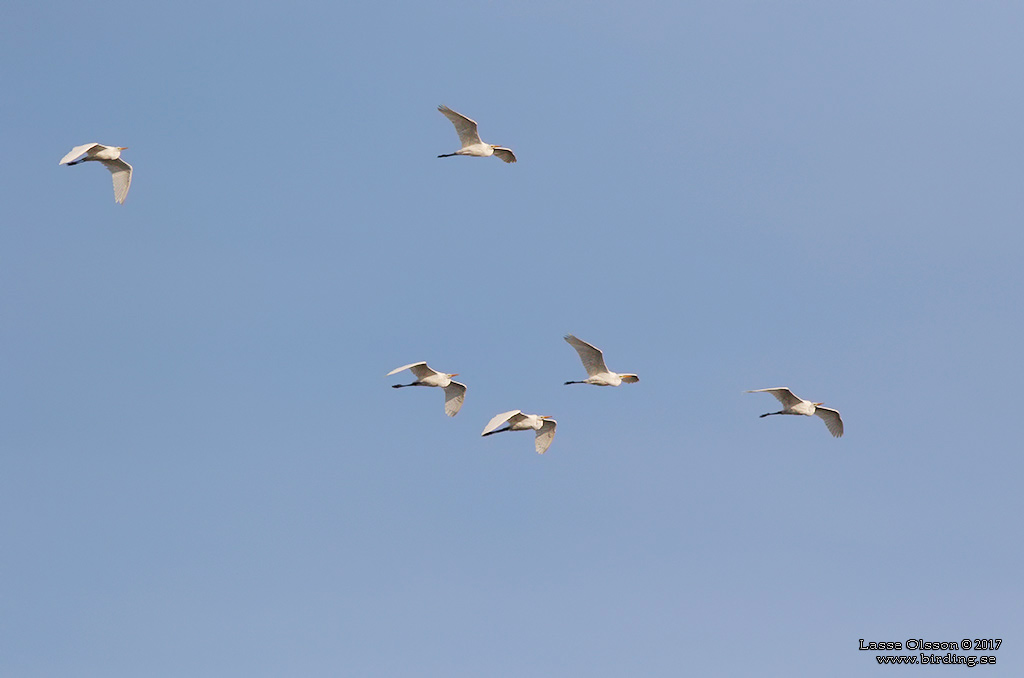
<point>453,375</point>
<point>122,148</point>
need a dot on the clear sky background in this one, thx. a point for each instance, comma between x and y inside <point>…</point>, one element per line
<point>205,472</point>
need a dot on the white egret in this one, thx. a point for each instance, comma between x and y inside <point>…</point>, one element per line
<point>593,360</point>
<point>470,138</point>
<point>454,392</point>
<point>517,421</point>
<point>794,405</point>
<point>110,156</point>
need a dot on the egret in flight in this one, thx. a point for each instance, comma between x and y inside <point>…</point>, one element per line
<point>598,373</point>
<point>110,156</point>
<point>793,405</point>
<point>517,421</point>
<point>454,392</point>
<point>470,138</point>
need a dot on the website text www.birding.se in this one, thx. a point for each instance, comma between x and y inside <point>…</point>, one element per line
<point>931,652</point>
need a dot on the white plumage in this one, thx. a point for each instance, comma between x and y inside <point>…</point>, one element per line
<point>110,157</point>
<point>517,421</point>
<point>791,404</point>
<point>470,138</point>
<point>454,392</point>
<point>598,373</point>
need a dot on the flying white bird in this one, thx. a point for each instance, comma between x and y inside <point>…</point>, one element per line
<point>517,421</point>
<point>454,392</point>
<point>470,138</point>
<point>593,360</point>
<point>110,156</point>
<point>793,405</point>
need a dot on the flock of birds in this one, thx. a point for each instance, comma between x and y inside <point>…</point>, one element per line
<point>598,374</point>
<point>592,358</point>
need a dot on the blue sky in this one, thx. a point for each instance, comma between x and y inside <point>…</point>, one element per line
<point>206,474</point>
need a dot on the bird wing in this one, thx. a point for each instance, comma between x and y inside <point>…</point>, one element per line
<point>505,154</point>
<point>545,434</point>
<point>75,152</point>
<point>500,419</point>
<point>782,394</point>
<point>410,366</point>
<point>593,359</point>
<point>122,175</point>
<point>454,395</point>
<point>832,420</point>
<point>465,127</point>
<point>422,371</point>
